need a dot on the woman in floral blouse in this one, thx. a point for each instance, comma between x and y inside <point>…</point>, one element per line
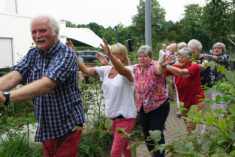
<point>151,95</point>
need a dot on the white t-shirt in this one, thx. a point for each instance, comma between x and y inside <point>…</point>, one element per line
<point>118,94</point>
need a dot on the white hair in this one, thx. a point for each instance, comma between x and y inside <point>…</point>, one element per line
<point>195,44</point>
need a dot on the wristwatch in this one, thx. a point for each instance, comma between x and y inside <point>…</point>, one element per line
<point>7,96</point>
<point>163,66</point>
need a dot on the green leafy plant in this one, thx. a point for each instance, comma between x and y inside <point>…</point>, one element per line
<point>18,145</point>
<point>217,136</point>
<point>97,138</point>
<point>16,115</point>
<point>95,143</point>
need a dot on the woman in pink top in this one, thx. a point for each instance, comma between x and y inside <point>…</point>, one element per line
<point>188,82</point>
<point>150,93</point>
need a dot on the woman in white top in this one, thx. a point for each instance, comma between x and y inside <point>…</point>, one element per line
<point>119,97</point>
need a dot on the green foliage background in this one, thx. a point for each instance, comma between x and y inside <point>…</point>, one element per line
<point>209,24</point>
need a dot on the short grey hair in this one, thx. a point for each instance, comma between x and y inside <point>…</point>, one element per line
<point>187,52</point>
<point>219,44</point>
<point>54,25</point>
<point>145,49</point>
<point>195,44</point>
<point>181,45</point>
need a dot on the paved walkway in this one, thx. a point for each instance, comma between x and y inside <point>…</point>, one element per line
<point>173,125</point>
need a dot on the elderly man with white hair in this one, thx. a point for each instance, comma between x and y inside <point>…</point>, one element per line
<point>49,73</point>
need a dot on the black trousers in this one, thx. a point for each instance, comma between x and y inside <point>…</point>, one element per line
<point>154,120</point>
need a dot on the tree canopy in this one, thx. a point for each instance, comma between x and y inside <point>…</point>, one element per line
<point>210,23</point>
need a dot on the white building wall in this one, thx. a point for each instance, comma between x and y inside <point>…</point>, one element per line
<point>2,5</point>
<point>11,6</point>
<point>8,6</point>
<point>18,29</point>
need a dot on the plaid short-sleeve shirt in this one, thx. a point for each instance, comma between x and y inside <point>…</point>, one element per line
<point>59,110</point>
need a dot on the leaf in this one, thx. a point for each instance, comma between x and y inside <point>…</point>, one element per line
<point>155,135</point>
<point>218,98</point>
<point>232,135</point>
<point>209,118</point>
<point>232,153</point>
<point>219,155</point>
<point>222,124</point>
<point>123,132</point>
<point>230,76</point>
<point>232,109</point>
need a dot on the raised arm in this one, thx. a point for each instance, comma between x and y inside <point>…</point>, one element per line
<point>85,69</point>
<point>118,65</point>
<point>160,68</point>
<point>102,59</point>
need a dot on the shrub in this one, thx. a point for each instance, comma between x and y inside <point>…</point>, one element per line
<point>18,145</point>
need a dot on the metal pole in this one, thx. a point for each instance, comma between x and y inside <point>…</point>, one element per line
<point>148,36</point>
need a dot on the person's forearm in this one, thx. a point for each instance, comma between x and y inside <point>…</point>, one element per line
<point>160,68</point>
<point>84,69</point>
<point>117,64</point>
<point>32,90</point>
<point>10,80</point>
<point>178,71</point>
<point>121,68</point>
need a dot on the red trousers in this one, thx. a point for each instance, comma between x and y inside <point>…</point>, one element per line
<point>120,143</point>
<point>67,147</point>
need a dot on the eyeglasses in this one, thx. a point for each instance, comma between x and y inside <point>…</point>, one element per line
<point>143,56</point>
<point>217,47</point>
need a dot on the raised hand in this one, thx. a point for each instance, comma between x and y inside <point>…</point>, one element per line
<point>105,47</point>
<point>169,59</point>
<point>69,43</point>
<point>102,59</point>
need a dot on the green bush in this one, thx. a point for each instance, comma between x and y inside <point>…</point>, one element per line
<point>95,143</point>
<point>16,116</point>
<point>18,145</point>
<point>218,140</point>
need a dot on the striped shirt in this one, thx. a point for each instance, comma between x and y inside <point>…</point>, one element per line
<point>59,110</point>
